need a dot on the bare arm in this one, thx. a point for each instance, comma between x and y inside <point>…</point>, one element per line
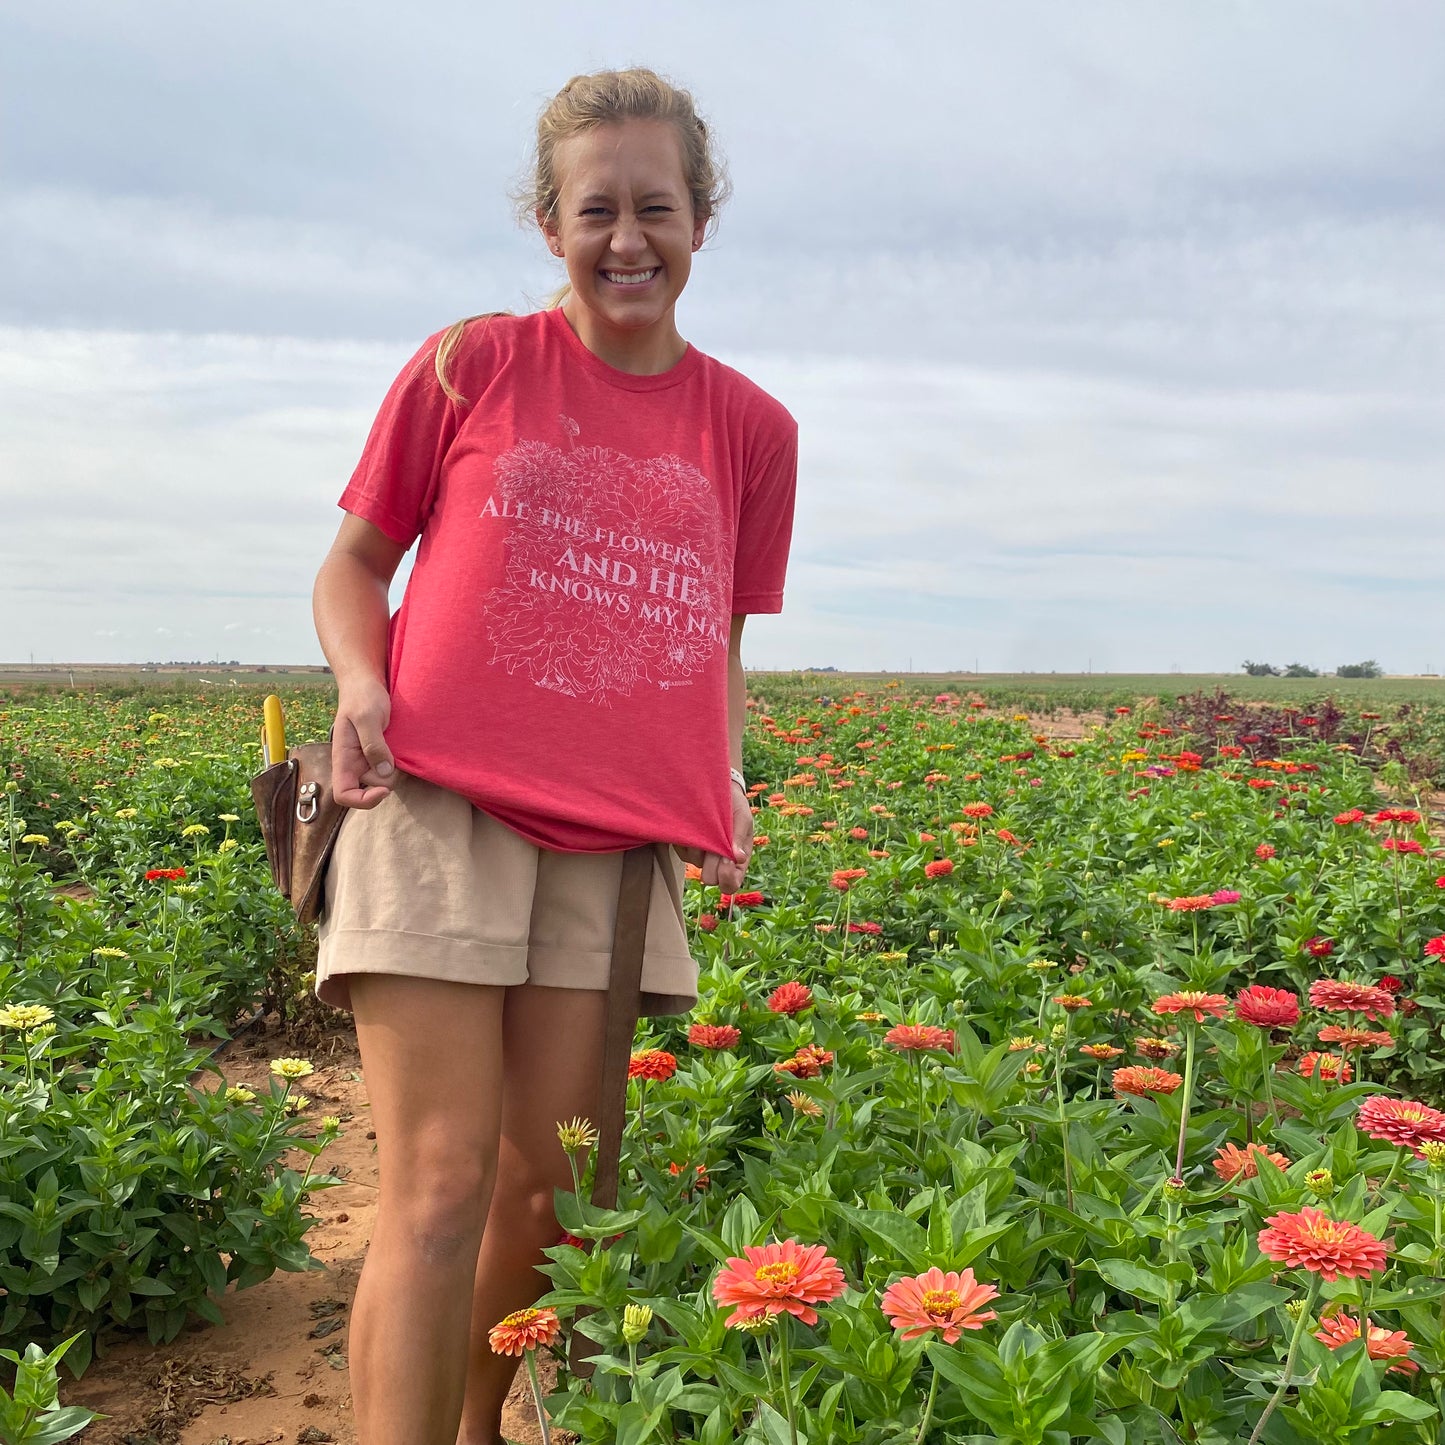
<point>350,606</point>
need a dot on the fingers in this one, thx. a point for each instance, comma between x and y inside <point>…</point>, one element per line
<point>362,766</point>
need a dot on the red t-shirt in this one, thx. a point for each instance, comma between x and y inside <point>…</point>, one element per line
<point>560,655</point>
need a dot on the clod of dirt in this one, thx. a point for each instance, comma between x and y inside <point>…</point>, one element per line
<point>312,1436</point>
<point>312,1400</point>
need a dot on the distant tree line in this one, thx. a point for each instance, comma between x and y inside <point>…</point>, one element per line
<point>1299,669</point>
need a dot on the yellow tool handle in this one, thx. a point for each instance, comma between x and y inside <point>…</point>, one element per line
<point>273,731</point>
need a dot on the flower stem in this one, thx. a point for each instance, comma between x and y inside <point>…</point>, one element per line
<point>1063,1129</point>
<point>927,1412</point>
<point>785,1370</point>
<point>918,1136</point>
<point>537,1397</point>
<point>1190,1030</point>
<point>1269,1090</point>
<point>1301,1325</point>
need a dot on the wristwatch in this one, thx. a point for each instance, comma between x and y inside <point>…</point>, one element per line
<point>738,778</point>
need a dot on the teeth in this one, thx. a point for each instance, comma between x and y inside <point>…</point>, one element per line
<point>621,278</point>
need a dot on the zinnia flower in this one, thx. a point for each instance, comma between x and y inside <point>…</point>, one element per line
<point>790,998</point>
<point>1265,1007</point>
<point>910,1037</point>
<point>1324,1066</point>
<point>1232,1162</point>
<point>655,1064</point>
<point>872,929</point>
<point>1402,845</point>
<point>1140,1079</point>
<point>1102,1052</point>
<point>778,1278</point>
<point>524,1330</point>
<point>940,868</point>
<point>1340,997</point>
<point>1355,815</point>
<point>807,1063</point>
<point>1311,1240</point>
<point>1434,948</point>
<point>1222,896</point>
<point>1194,903</point>
<point>171,875</point>
<point>1192,1001</point>
<point>1155,1048</point>
<point>1265,850</point>
<point>977,810</point>
<point>1339,1328</point>
<point>935,1301</point>
<point>707,922</point>
<point>1073,1001</point>
<point>1353,1038</point>
<point>713,1036</point>
<point>1319,947</point>
<point>1401,1121</point>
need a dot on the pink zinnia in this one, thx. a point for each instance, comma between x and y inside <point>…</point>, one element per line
<point>1224,895</point>
<point>1266,1008</point>
<point>935,1301</point>
<point>1331,1248</point>
<point>779,1278</point>
<point>1265,850</point>
<point>1401,1121</point>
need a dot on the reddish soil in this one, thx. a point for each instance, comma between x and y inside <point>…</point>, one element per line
<point>277,1370</point>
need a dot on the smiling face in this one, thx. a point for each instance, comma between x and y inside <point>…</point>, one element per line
<point>625,227</point>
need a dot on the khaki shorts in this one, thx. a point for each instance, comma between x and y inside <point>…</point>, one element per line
<point>429,885</point>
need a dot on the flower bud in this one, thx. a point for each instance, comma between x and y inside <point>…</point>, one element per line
<point>1320,1183</point>
<point>1294,1309</point>
<point>1175,1190</point>
<point>635,1322</point>
<point>577,1135</point>
<point>1432,1151</point>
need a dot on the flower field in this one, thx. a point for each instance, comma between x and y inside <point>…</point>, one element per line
<point>1040,1090</point>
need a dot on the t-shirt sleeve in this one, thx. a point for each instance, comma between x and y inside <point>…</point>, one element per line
<point>765,529</point>
<point>395,482</point>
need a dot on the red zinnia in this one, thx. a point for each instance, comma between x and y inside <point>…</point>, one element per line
<point>1232,1162</point>
<point>1140,1079</point>
<point>1402,845</point>
<point>713,1036</point>
<point>1434,948</point>
<point>171,875</point>
<point>707,922</point>
<point>1391,984</point>
<point>524,1330</point>
<point>872,929</point>
<point>1355,815</point>
<point>1319,947</point>
<point>655,1064</point>
<point>941,868</point>
<point>919,1036</point>
<point>1265,1007</point>
<point>1201,1005</point>
<point>778,1278</point>
<point>1401,1121</point>
<point>1332,1248</point>
<point>1338,996</point>
<point>790,998</point>
<point>948,1303</point>
<point>978,810</point>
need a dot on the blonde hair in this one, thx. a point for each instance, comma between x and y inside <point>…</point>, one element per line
<point>604,98</point>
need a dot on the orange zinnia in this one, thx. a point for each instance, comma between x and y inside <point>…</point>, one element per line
<point>524,1330</point>
<point>1192,1001</point>
<point>778,1278</point>
<point>1232,1162</point>
<point>919,1036</point>
<point>1331,1248</point>
<point>935,1301</point>
<point>713,1036</point>
<point>1324,1066</point>
<point>1140,1079</point>
<point>1339,1329</point>
<point>656,1064</point>
<point>790,998</point>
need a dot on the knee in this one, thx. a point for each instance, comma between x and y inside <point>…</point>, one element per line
<point>441,1216</point>
<point>527,1204</point>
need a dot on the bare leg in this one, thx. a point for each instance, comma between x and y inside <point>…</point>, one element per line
<point>431,1052</point>
<point>553,1066</point>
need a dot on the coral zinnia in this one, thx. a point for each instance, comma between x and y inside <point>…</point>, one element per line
<point>1265,1007</point>
<point>1401,1121</point>
<point>939,868</point>
<point>1435,947</point>
<point>524,1330</point>
<point>1073,1001</point>
<point>1311,1240</point>
<point>1325,1066</point>
<point>977,810</point>
<point>909,1037</point>
<point>1338,1328</point>
<point>1362,998</point>
<point>656,1064</point>
<point>807,1063</point>
<point>790,998</point>
<point>948,1303</point>
<point>1141,1079</point>
<point>1102,1052</point>
<point>713,1036</point>
<point>1195,903</point>
<point>1232,1162</point>
<point>773,1279</point>
<point>1352,1038</point>
<point>1201,1005</point>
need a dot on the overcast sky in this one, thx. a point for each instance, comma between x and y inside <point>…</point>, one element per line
<point>1116,332</point>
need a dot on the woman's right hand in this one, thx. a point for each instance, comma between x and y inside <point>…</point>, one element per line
<point>362,767</point>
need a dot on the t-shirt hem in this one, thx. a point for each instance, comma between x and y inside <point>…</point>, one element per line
<point>757,602</point>
<point>369,510</point>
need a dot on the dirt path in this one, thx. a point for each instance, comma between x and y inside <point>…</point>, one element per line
<point>277,1370</point>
